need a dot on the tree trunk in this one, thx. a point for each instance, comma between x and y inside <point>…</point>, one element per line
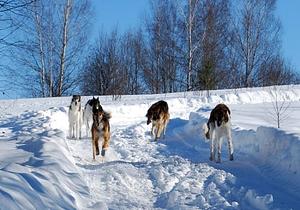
<point>64,47</point>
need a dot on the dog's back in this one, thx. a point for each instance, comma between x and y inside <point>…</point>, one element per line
<point>157,111</point>
<point>159,115</point>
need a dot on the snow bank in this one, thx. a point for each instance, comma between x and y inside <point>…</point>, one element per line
<point>275,151</point>
<point>36,167</point>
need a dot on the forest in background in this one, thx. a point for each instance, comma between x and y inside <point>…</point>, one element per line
<point>178,46</point>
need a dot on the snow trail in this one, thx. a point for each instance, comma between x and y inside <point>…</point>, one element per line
<point>41,168</point>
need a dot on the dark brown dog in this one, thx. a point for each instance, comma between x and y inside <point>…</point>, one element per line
<point>159,115</point>
<point>100,130</point>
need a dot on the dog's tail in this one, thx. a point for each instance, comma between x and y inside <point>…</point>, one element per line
<point>206,130</point>
<point>107,115</point>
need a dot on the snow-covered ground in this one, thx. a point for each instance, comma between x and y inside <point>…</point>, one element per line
<point>41,168</point>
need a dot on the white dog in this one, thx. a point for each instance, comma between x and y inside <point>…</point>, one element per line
<point>75,117</point>
<point>217,127</point>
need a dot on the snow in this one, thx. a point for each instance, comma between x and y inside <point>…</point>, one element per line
<point>41,168</point>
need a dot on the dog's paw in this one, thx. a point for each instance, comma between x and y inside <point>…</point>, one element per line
<point>103,152</point>
<point>102,159</point>
<point>231,157</point>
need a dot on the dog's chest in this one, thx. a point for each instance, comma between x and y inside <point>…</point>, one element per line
<point>100,128</point>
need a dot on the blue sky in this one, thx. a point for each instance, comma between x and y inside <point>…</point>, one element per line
<point>288,12</point>
<point>123,14</point>
<point>127,14</point>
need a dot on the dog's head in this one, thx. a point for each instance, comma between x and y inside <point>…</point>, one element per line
<point>95,103</point>
<point>149,117</point>
<point>76,99</point>
<point>222,117</point>
<point>156,110</point>
<point>152,115</point>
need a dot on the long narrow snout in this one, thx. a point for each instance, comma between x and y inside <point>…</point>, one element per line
<point>148,121</point>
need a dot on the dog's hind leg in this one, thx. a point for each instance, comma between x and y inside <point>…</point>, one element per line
<point>211,134</point>
<point>230,144</point>
<point>165,128</point>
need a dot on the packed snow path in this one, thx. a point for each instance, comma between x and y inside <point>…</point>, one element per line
<point>174,172</point>
<point>41,167</point>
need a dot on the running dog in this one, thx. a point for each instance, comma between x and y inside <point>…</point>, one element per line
<point>92,106</point>
<point>159,115</point>
<point>75,117</point>
<point>217,127</point>
<point>100,130</point>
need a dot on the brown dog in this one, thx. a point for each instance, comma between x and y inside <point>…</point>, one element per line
<point>100,130</point>
<point>159,115</point>
<point>217,127</point>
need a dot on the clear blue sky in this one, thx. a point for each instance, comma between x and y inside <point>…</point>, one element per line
<point>289,14</point>
<point>124,14</point>
<point>127,14</point>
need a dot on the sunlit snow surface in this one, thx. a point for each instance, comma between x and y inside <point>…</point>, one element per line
<point>40,168</point>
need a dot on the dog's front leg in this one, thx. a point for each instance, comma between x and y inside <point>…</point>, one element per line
<point>158,130</point>
<point>70,130</point>
<point>95,139</point>
<point>219,142</point>
<point>80,123</point>
<point>94,148</point>
<point>152,129</point>
<point>77,130</point>
<point>212,149</point>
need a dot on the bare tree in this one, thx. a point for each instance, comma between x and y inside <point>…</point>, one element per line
<point>11,16</point>
<point>280,104</point>
<point>191,35</point>
<point>256,36</point>
<point>160,73</point>
<point>212,65</point>
<point>132,57</point>
<point>276,72</point>
<point>10,13</point>
<point>53,40</point>
<point>103,73</point>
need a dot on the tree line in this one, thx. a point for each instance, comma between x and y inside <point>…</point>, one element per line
<point>178,46</point>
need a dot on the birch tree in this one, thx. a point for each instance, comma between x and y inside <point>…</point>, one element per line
<point>53,41</point>
<point>256,36</point>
